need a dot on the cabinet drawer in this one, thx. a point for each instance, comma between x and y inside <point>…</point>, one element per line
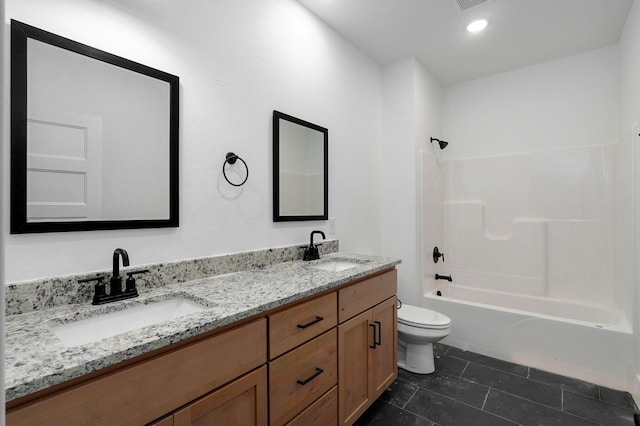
<point>144,391</point>
<point>323,412</point>
<point>361,296</point>
<point>301,323</point>
<point>301,376</point>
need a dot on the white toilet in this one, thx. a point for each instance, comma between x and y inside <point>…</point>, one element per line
<point>418,330</point>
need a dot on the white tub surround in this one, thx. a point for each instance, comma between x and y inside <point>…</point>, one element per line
<point>537,217</point>
<point>547,233</point>
<point>573,339</point>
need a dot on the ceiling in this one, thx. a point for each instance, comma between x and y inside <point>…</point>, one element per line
<point>520,32</point>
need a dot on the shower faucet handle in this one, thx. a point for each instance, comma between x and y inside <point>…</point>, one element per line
<point>437,254</point>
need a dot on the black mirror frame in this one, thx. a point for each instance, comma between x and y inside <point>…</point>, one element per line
<point>20,32</point>
<point>277,217</point>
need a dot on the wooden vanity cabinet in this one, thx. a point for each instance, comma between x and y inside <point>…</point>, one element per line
<point>367,342</point>
<point>320,362</point>
<point>139,393</point>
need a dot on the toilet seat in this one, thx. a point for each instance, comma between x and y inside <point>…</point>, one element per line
<point>418,317</point>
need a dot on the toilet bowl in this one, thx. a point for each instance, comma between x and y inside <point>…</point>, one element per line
<point>418,330</point>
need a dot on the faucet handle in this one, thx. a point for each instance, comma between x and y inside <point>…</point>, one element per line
<point>437,254</point>
<point>311,253</point>
<point>99,278</point>
<point>130,283</point>
<point>100,290</point>
<point>141,271</point>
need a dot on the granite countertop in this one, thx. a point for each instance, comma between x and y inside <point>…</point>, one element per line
<point>36,359</point>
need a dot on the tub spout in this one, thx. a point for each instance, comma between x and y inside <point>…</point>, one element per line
<point>444,277</point>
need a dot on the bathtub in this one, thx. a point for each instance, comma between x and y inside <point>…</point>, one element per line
<point>585,342</point>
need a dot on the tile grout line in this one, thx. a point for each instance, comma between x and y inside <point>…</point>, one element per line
<point>409,399</point>
<point>464,369</point>
<point>524,398</point>
<point>446,350</point>
<point>458,401</point>
<point>485,399</point>
<point>610,404</point>
<point>548,385</point>
<point>577,416</point>
<point>491,367</point>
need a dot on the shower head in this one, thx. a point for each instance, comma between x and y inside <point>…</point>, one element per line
<point>442,144</point>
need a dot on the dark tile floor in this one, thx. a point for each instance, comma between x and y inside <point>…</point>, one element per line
<point>472,389</point>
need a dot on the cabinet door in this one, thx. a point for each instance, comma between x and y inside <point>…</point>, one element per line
<point>354,372</point>
<point>385,354</point>
<point>243,402</point>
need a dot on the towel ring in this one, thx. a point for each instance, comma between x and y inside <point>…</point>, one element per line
<point>231,159</point>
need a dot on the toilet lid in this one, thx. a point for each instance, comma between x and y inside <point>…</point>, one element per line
<point>421,317</point>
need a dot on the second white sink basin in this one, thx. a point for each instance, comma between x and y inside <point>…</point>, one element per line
<point>335,265</point>
<point>100,327</point>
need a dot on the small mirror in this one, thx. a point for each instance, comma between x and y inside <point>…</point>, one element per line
<point>300,169</point>
<point>94,138</point>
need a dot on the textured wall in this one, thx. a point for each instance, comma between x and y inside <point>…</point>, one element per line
<point>237,62</point>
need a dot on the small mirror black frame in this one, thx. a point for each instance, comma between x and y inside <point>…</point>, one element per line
<point>277,216</point>
<point>20,33</point>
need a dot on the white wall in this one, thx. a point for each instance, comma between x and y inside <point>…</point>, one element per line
<point>237,62</point>
<point>399,175</point>
<point>628,178</point>
<point>529,201</point>
<point>411,112</point>
<point>572,101</point>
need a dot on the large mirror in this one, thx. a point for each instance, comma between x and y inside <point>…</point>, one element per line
<point>94,138</point>
<point>300,169</point>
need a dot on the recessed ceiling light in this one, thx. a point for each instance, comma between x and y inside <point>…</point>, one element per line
<point>477,26</point>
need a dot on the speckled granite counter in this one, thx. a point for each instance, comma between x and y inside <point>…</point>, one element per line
<point>36,359</point>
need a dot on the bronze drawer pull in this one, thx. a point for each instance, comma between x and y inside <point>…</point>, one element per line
<point>318,319</point>
<point>374,336</point>
<point>379,342</point>
<point>313,376</point>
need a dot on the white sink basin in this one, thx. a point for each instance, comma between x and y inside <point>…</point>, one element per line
<point>113,323</point>
<point>335,265</point>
